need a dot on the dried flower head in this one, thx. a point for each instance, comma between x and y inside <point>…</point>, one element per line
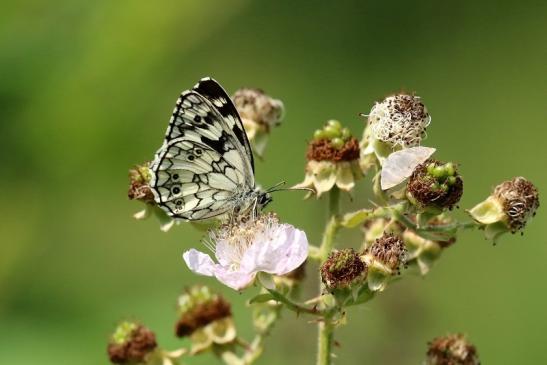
<point>131,343</point>
<point>333,159</point>
<point>244,248</point>
<point>139,189</point>
<point>435,185</point>
<point>343,269</point>
<point>399,120</point>
<point>259,113</point>
<point>389,250</point>
<point>139,178</point>
<point>508,209</point>
<point>199,307</point>
<point>520,200</point>
<point>451,350</point>
<point>384,259</point>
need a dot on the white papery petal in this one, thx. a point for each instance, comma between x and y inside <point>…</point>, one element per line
<point>223,252</point>
<point>199,262</point>
<point>235,279</point>
<point>286,251</point>
<point>399,165</point>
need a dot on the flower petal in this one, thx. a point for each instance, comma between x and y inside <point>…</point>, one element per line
<point>344,176</point>
<point>287,250</point>
<point>235,279</point>
<point>199,262</point>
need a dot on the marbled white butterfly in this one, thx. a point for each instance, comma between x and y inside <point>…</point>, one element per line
<point>205,167</point>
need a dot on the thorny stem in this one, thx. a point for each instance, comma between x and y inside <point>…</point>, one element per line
<point>291,305</point>
<point>255,349</point>
<point>325,327</point>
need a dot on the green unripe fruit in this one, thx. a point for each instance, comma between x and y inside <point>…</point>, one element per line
<point>319,134</point>
<point>346,134</point>
<point>450,170</point>
<point>331,132</point>
<point>334,123</point>
<point>337,143</point>
<point>430,169</point>
<point>439,171</point>
<point>451,180</point>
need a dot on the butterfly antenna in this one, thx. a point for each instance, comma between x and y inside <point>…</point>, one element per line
<point>275,187</point>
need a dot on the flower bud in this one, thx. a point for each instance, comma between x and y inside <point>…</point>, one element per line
<point>333,159</point>
<point>451,350</point>
<point>259,113</point>
<point>509,207</point>
<point>343,269</point>
<point>435,186</point>
<point>399,120</point>
<point>205,317</point>
<point>384,259</point>
<point>131,343</point>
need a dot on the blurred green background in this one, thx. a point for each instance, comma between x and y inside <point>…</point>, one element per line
<point>86,91</point>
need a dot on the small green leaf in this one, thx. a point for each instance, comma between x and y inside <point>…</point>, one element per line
<point>261,298</point>
<point>353,219</point>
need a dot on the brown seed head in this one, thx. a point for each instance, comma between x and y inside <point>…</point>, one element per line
<point>520,200</point>
<point>342,269</point>
<point>435,188</point>
<point>451,350</point>
<point>390,250</point>
<point>139,177</point>
<point>322,150</point>
<point>201,315</point>
<point>140,343</point>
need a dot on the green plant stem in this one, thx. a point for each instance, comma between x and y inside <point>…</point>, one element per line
<point>324,345</point>
<point>325,326</point>
<point>256,348</point>
<point>293,306</point>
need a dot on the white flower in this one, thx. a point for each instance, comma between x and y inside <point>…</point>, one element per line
<point>243,249</point>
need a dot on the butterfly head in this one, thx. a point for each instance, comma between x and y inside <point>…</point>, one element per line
<point>263,198</point>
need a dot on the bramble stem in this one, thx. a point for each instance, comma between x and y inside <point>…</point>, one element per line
<point>291,305</point>
<point>324,345</point>
<point>325,327</point>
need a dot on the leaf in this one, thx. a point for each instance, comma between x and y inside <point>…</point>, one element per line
<point>353,219</point>
<point>261,298</point>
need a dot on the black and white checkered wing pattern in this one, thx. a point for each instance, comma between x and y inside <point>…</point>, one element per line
<point>204,168</point>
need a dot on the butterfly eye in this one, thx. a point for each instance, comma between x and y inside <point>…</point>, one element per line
<point>191,157</point>
<point>198,151</point>
<point>175,190</point>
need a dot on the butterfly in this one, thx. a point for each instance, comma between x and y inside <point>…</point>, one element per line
<point>399,165</point>
<point>205,167</point>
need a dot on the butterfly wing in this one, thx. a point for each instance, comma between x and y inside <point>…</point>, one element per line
<point>399,165</point>
<point>204,165</point>
<point>194,181</point>
<point>212,90</point>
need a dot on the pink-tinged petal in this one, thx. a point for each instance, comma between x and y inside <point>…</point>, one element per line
<point>287,250</point>
<point>223,252</point>
<point>235,279</point>
<point>199,262</point>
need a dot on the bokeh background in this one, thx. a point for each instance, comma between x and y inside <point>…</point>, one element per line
<point>87,88</point>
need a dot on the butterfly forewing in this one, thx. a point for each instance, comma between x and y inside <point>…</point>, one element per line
<point>203,169</point>
<point>211,89</point>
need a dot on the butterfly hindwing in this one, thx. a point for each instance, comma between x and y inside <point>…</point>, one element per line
<point>194,181</point>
